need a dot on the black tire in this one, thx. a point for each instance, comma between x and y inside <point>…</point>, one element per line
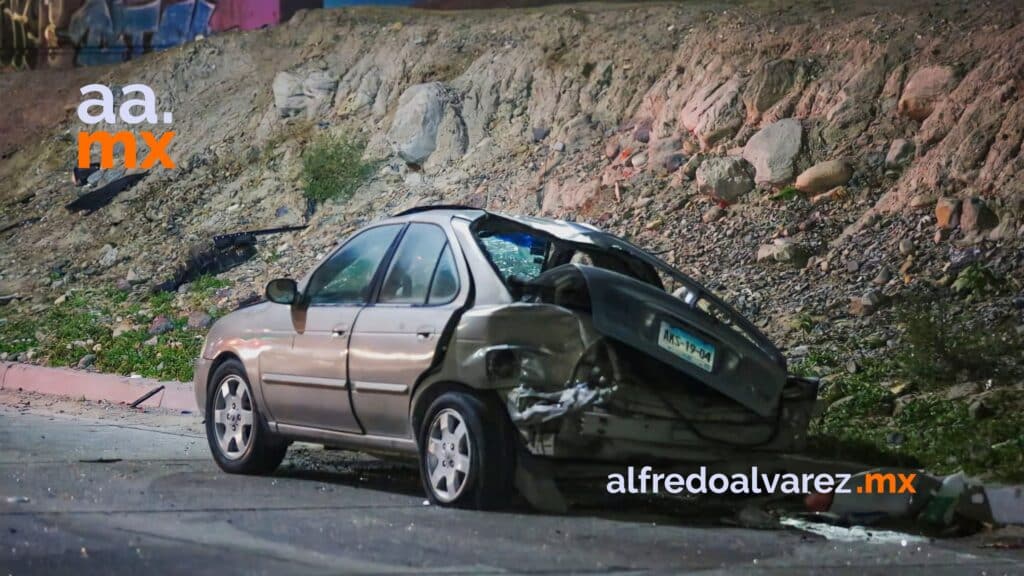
<point>263,451</point>
<point>489,482</point>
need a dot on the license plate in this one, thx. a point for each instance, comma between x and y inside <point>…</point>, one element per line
<point>686,346</point>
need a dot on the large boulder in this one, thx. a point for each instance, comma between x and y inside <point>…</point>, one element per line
<point>288,97</point>
<point>824,176</point>
<point>924,90</point>
<point>414,131</point>
<point>726,179</point>
<point>772,150</point>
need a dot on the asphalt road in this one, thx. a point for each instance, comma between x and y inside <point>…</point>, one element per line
<point>94,489</point>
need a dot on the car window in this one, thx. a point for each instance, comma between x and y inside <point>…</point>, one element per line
<point>412,268</point>
<point>445,286</point>
<point>347,277</point>
<point>516,253</point>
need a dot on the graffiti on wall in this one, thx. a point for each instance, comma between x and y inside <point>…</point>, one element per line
<point>106,31</point>
<point>59,33</point>
<point>17,34</point>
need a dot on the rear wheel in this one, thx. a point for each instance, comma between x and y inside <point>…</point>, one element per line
<point>466,458</point>
<point>237,434</point>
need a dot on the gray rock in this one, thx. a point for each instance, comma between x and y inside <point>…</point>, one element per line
<point>414,129</point>
<point>199,320</point>
<point>977,216</point>
<point>784,250</point>
<point>900,151</point>
<point>87,361</point>
<point>540,133</point>
<point>772,150</point>
<point>726,179</point>
<point>288,96</point>
<point>108,256</point>
<point>958,391</point>
<point>160,325</point>
<point>712,214</point>
<point>906,246</point>
<point>133,277</point>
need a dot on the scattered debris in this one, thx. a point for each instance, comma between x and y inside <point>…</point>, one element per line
<point>146,396</point>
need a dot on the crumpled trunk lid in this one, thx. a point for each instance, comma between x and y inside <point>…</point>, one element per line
<point>677,333</point>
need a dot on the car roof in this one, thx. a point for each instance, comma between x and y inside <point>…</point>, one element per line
<point>562,229</point>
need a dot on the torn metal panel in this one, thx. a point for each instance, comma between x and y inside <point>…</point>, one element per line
<point>529,407</point>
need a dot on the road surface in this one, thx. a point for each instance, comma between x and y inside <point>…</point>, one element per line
<point>90,488</point>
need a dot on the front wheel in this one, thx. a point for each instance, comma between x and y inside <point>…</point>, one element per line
<point>235,429</point>
<point>465,457</point>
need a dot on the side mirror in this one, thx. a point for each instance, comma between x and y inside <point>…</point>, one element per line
<point>282,291</point>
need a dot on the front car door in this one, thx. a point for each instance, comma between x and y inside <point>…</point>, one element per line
<point>396,336</point>
<point>307,385</point>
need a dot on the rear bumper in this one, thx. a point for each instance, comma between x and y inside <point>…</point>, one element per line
<point>201,375</point>
<point>603,435</point>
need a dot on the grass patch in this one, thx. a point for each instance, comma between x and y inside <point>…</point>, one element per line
<point>83,324</point>
<point>937,351</point>
<point>333,168</point>
<point>788,193</point>
<point>928,430</point>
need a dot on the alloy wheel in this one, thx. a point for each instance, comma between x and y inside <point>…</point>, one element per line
<point>233,417</point>
<point>448,455</point>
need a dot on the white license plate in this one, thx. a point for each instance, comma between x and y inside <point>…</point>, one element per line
<point>686,346</point>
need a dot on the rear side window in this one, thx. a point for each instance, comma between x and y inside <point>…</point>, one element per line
<point>446,280</point>
<point>423,260</point>
<point>518,254</point>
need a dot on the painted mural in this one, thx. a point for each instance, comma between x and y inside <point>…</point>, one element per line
<point>61,33</point>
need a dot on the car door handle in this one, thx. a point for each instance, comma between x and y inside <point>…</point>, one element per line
<point>339,330</point>
<point>424,332</point>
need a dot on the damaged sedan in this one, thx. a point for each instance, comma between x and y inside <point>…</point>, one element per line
<point>498,350</point>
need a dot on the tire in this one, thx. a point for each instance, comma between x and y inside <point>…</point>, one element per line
<point>467,458</point>
<point>232,413</point>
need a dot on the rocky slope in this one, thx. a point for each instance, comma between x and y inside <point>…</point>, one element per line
<point>822,167</point>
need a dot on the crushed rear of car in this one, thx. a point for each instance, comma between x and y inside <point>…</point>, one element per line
<point>609,354</point>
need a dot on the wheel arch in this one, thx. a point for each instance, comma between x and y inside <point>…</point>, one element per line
<point>429,391</point>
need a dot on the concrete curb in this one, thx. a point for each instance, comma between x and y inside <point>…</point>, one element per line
<point>95,386</point>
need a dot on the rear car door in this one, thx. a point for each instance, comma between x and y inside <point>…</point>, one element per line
<point>307,385</point>
<point>396,337</point>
